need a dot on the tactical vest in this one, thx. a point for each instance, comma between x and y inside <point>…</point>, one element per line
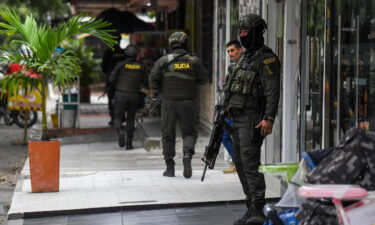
<point>130,77</point>
<point>179,77</point>
<point>243,82</point>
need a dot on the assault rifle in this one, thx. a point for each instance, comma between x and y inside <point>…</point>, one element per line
<point>219,125</point>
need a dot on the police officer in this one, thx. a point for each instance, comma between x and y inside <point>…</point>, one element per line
<point>254,89</point>
<point>127,78</point>
<point>176,76</point>
<point>110,60</point>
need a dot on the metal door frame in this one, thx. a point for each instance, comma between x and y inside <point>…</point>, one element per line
<point>290,84</point>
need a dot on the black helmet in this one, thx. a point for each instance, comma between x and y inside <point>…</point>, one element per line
<point>252,21</point>
<point>256,25</point>
<point>178,39</point>
<point>131,50</point>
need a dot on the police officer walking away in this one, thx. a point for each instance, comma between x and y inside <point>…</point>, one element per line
<point>127,78</point>
<point>176,76</point>
<point>109,62</point>
<point>254,89</point>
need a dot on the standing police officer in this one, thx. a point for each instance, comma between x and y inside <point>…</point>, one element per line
<point>254,89</point>
<point>110,60</point>
<point>176,76</point>
<point>127,77</point>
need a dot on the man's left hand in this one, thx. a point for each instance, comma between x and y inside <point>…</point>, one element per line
<point>265,127</point>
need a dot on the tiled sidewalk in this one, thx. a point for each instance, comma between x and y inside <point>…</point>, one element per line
<point>97,175</point>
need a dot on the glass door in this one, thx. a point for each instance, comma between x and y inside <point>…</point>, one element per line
<point>314,75</point>
<point>353,99</point>
<point>339,84</point>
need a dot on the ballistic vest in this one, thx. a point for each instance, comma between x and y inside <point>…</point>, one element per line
<point>243,81</point>
<point>179,77</point>
<point>130,77</point>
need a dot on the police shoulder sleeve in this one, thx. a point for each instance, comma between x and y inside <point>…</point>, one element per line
<point>271,64</point>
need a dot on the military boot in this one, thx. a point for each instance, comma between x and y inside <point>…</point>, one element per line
<point>169,172</point>
<point>245,217</point>
<point>188,171</point>
<point>257,215</point>
<point>129,141</point>
<point>121,137</point>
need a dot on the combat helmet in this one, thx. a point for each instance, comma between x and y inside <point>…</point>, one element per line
<point>256,25</point>
<point>252,21</point>
<point>131,50</point>
<point>178,39</point>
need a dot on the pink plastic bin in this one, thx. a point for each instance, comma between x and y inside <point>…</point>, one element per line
<point>339,192</point>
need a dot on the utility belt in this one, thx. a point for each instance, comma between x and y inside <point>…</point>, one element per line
<point>252,115</point>
<point>238,112</point>
<point>235,112</point>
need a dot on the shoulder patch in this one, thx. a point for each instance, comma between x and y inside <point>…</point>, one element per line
<point>118,55</point>
<point>269,71</point>
<point>269,60</point>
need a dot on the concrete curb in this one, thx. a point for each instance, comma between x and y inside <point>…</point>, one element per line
<point>65,132</point>
<point>27,215</point>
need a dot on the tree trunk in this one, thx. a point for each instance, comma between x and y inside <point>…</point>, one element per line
<point>44,113</point>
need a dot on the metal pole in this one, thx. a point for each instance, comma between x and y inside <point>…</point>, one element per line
<point>326,77</point>
<point>338,120</point>
<point>304,77</point>
<point>357,73</point>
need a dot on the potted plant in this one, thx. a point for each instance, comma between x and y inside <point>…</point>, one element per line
<point>41,40</point>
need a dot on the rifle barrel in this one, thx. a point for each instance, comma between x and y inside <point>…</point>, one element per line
<point>204,172</point>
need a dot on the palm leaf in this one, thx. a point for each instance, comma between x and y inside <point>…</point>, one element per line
<point>15,82</point>
<point>41,41</point>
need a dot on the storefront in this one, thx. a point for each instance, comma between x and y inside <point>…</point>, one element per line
<point>340,86</point>
<point>327,51</point>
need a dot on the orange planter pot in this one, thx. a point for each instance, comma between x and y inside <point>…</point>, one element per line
<point>44,158</point>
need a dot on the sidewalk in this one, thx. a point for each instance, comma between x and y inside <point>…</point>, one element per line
<point>98,176</point>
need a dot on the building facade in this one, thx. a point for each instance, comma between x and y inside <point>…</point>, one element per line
<point>327,51</point>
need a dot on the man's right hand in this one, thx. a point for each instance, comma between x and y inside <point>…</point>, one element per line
<point>265,127</point>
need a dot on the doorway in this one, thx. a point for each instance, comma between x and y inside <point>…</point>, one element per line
<point>354,68</point>
<point>340,65</point>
